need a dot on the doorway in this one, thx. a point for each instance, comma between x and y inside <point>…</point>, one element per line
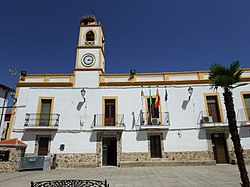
<point>155,146</point>
<point>109,151</point>
<point>219,148</point>
<point>43,146</point>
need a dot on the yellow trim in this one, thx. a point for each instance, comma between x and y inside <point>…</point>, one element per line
<point>244,104</point>
<point>103,107</point>
<point>146,105</point>
<point>44,84</point>
<point>219,104</point>
<point>39,108</point>
<point>90,69</point>
<point>13,114</point>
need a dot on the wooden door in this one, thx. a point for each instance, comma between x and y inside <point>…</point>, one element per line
<point>155,146</point>
<point>213,108</point>
<point>43,145</point>
<point>110,112</point>
<point>109,152</point>
<point>220,148</point>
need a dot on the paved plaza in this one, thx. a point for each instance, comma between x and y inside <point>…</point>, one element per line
<point>219,175</point>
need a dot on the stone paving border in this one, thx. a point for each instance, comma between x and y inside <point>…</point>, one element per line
<point>217,175</point>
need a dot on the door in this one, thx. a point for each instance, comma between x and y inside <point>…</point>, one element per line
<point>110,112</point>
<point>213,108</point>
<point>45,112</point>
<point>109,152</point>
<point>43,145</point>
<point>220,148</point>
<point>155,146</point>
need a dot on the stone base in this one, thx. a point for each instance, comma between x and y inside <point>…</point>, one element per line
<point>163,163</point>
<point>73,160</point>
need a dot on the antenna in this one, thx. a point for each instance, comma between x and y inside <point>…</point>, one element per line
<point>12,71</point>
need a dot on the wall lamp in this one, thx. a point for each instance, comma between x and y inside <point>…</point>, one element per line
<point>83,93</point>
<point>190,92</point>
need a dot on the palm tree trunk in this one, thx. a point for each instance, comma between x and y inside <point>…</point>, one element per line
<point>228,99</point>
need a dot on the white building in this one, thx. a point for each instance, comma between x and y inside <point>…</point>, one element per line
<point>90,118</point>
<point>4,94</point>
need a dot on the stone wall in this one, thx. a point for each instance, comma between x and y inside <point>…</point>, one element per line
<point>73,160</point>
<point>13,163</point>
<point>168,159</point>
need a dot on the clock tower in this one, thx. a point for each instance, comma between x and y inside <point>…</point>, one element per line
<point>90,59</point>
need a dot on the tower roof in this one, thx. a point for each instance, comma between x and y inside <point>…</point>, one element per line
<point>89,19</point>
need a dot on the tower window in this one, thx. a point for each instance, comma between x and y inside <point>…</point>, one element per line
<point>90,36</point>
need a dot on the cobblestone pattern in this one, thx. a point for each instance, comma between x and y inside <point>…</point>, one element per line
<point>14,157</point>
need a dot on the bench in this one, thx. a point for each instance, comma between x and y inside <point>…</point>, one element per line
<point>70,183</point>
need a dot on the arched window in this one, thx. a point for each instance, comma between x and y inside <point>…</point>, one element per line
<point>90,36</point>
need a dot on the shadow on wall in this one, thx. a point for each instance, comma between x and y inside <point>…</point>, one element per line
<point>143,135</point>
<point>31,136</point>
<point>202,134</point>
<point>244,132</point>
<point>93,137</point>
<point>184,104</point>
<point>79,106</point>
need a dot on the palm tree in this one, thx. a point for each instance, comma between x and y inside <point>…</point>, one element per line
<point>226,78</point>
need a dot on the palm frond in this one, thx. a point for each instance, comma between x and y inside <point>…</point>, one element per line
<point>226,77</point>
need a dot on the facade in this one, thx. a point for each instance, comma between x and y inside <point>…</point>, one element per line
<point>4,94</point>
<point>90,118</point>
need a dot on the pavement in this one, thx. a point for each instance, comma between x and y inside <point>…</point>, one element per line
<point>217,175</point>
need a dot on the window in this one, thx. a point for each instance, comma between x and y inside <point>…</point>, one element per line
<point>90,36</point>
<point>247,105</point>
<point>153,114</point>
<point>213,108</point>
<point>45,113</point>
<point>109,112</point>
<point>4,156</point>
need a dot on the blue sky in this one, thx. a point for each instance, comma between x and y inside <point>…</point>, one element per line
<point>149,36</point>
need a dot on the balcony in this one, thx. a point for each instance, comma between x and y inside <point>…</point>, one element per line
<point>243,117</point>
<point>151,123</point>
<point>41,121</point>
<point>102,122</point>
<point>213,118</point>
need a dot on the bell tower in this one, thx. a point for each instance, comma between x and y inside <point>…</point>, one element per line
<point>90,57</point>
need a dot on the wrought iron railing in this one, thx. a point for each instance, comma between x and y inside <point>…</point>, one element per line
<point>243,115</point>
<point>41,120</point>
<point>161,119</point>
<point>206,116</point>
<point>75,183</point>
<point>101,120</point>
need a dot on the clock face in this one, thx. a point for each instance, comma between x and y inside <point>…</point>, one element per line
<point>88,60</point>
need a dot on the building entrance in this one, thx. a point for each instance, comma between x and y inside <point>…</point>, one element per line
<point>109,151</point>
<point>220,148</point>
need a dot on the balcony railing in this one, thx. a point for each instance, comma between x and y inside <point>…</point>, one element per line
<point>36,120</point>
<point>101,121</point>
<point>159,122</point>
<point>212,118</point>
<point>243,116</point>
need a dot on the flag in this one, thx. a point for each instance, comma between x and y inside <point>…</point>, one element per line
<point>166,95</point>
<point>150,98</point>
<point>157,99</point>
